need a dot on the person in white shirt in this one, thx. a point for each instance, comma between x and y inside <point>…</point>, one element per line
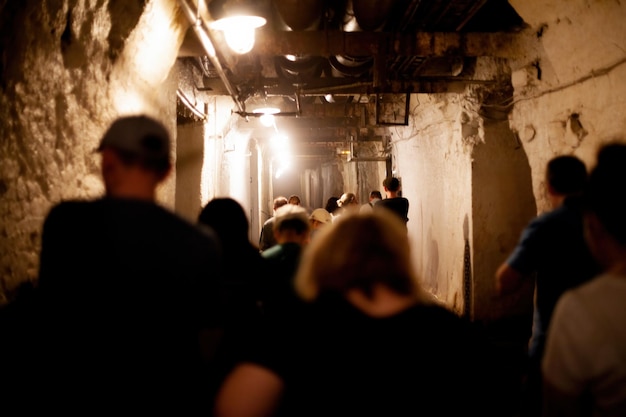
<point>584,365</point>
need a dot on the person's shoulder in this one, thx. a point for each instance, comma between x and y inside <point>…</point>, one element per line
<point>539,222</point>
<point>599,287</point>
<point>367,207</point>
<point>430,317</point>
<point>272,252</point>
<point>178,228</point>
<point>74,210</point>
<point>436,311</point>
<point>75,204</point>
<point>556,221</point>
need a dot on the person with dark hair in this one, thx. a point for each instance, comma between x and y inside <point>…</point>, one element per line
<point>241,290</point>
<point>369,341</point>
<point>267,239</point>
<point>294,199</point>
<point>552,251</point>
<point>331,205</point>
<point>394,200</point>
<point>584,365</point>
<point>128,289</point>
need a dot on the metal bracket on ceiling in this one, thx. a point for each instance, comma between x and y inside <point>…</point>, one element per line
<point>200,29</point>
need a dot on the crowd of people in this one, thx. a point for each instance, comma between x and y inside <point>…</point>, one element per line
<point>137,310</point>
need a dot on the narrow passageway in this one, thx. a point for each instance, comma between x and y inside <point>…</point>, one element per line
<point>463,102</point>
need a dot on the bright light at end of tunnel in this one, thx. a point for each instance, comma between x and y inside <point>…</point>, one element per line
<point>282,161</point>
<point>267,115</point>
<point>280,142</point>
<point>267,120</point>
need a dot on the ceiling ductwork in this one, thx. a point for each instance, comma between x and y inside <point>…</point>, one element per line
<point>335,57</point>
<point>299,14</point>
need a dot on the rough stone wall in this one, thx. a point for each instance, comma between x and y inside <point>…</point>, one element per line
<point>68,69</point>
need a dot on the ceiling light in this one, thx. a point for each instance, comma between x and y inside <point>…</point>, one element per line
<point>267,115</point>
<point>239,31</point>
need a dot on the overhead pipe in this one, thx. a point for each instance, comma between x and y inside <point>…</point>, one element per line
<point>183,97</point>
<point>207,44</point>
<point>253,114</point>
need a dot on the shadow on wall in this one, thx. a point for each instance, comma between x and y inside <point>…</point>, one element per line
<point>503,202</point>
<point>432,266</point>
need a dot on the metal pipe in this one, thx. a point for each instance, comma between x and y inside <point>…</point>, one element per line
<point>205,41</point>
<point>282,113</point>
<point>181,95</point>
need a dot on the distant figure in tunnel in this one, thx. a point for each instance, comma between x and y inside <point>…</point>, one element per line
<point>347,203</point>
<point>584,364</point>
<point>295,200</point>
<point>369,341</point>
<point>292,231</point>
<point>551,251</point>
<point>331,206</point>
<point>267,239</point>
<point>374,197</point>
<point>319,218</point>
<point>128,290</point>
<point>394,200</point>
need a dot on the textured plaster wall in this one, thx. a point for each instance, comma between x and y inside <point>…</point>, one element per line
<point>434,165</point>
<point>579,69</point>
<point>568,99</point>
<point>68,69</point>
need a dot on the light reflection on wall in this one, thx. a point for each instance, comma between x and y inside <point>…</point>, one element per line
<point>281,159</point>
<point>149,59</point>
<point>129,102</point>
<point>218,111</point>
<point>237,164</point>
<point>145,63</point>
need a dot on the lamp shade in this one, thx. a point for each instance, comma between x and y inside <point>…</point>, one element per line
<point>267,115</point>
<point>239,31</point>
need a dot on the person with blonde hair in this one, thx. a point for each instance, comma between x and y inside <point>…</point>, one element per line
<point>347,203</point>
<point>370,341</point>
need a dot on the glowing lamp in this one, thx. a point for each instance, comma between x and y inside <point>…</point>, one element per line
<point>267,115</point>
<point>239,31</point>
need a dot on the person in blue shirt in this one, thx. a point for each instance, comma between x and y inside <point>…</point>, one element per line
<point>552,251</point>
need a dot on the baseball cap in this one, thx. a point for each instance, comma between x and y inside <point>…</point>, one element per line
<point>140,136</point>
<point>321,215</point>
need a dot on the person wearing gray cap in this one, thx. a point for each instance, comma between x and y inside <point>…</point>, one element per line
<point>129,289</point>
